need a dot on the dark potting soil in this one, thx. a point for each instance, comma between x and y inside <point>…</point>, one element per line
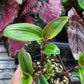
<point>57,68</point>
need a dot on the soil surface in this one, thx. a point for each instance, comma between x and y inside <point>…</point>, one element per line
<point>57,68</point>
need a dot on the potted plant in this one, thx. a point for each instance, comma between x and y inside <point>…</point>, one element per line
<point>30,32</point>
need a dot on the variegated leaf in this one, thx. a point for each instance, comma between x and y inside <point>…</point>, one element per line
<point>50,10</point>
<point>7,12</point>
<point>75,33</point>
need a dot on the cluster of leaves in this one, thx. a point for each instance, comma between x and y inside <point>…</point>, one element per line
<point>28,76</point>
<point>49,71</point>
<point>27,11</point>
<point>30,32</point>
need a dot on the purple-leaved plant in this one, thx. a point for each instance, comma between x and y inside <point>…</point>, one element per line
<point>20,11</point>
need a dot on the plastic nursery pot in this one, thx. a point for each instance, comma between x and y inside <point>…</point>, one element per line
<point>65,57</point>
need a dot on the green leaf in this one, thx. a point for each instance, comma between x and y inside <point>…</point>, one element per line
<point>39,42</point>
<point>27,80</point>
<point>53,28</point>
<point>50,49</point>
<point>46,76</point>
<point>64,1</point>
<point>42,80</point>
<point>81,59</point>
<point>23,32</point>
<point>49,66</point>
<point>81,75</point>
<point>75,74</point>
<point>81,3</point>
<point>25,61</point>
<point>51,73</point>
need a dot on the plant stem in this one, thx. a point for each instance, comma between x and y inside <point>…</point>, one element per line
<point>42,55</point>
<point>60,74</point>
<point>70,71</point>
<point>37,77</point>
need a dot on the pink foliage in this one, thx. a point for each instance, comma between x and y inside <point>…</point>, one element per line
<point>51,10</point>
<point>30,2</point>
<point>28,19</point>
<point>34,82</point>
<point>16,45</point>
<point>7,12</point>
<point>37,7</point>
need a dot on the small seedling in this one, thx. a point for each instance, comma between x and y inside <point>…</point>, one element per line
<point>30,32</point>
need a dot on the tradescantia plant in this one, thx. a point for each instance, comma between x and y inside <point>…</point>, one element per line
<point>30,32</point>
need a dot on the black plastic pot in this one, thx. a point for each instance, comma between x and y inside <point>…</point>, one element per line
<point>65,57</point>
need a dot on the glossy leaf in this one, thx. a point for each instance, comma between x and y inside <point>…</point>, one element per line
<point>49,66</point>
<point>81,3</point>
<point>25,61</point>
<point>81,59</point>
<point>53,28</point>
<point>50,49</point>
<point>23,32</point>
<point>7,12</point>
<point>51,10</point>
<point>75,33</point>
<point>26,80</point>
<point>42,80</point>
<point>81,71</point>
